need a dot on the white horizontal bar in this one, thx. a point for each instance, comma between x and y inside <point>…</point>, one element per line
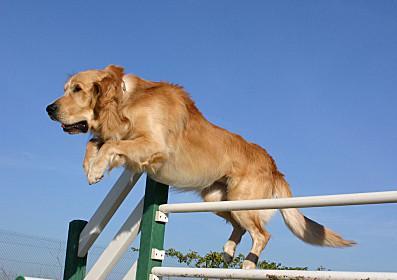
<point>131,274</point>
<point>280,203</point>
<point>31,278</point>
<point>265,274</point>
<point>118,246</point>
<point>106,210</point>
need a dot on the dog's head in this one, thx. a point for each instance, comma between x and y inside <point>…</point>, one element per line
<point>85,94</point>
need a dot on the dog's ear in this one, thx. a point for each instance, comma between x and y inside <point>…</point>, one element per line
<point>116,70</point>
<point>96,88</point>
<point>108,89</point>
<point>106,78</point>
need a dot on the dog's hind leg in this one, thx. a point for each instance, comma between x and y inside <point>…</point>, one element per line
<point>229,249</point>
<point>252,221</point>
<point>217,192</point>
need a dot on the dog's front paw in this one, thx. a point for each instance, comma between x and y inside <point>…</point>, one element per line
<point>95,174</point>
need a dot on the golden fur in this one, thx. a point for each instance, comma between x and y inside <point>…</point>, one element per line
<point>155,127</point>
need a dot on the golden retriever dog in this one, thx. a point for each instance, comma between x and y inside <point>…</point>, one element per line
<point>155,127</point>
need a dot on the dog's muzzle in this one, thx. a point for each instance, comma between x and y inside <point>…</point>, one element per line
<point>52,110</point>
<point>71,128</point>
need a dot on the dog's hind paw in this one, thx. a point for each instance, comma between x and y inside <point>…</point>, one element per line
<point>227,258</point>
<point>247,264</point>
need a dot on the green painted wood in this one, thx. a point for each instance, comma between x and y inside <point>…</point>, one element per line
<point>74,266</point>
<point>152,232</point>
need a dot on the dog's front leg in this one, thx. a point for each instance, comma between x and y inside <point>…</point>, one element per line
<point>91,152</point>
<point>141,153</point>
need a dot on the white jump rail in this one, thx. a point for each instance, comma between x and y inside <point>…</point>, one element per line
<point>267,274</point>
<point>106,210</point>
<point>31,278</point>
<point>277,203</point>
<point>281,203</point>
<point>117,247</point>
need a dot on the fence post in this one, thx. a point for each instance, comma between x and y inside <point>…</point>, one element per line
<point>152,232</point>
<point>74,266</point>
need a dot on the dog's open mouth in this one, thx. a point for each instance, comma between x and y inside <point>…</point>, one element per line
<point>74,128</point>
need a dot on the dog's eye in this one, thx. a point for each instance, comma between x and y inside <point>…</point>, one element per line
<point>77,88</point>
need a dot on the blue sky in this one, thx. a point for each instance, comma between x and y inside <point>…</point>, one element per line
<point>314,82</point>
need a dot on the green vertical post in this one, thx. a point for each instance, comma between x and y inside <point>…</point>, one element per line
<point>152,232</point>
<point>74,266</point>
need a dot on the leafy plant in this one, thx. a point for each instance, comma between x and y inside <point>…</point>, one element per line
<point>215,260</point>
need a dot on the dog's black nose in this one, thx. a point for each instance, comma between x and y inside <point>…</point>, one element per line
<point>51,109</point>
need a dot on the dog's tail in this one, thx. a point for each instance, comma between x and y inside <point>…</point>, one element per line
<point>305,229</point>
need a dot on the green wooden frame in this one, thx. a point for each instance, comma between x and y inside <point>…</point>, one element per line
<point>152,236</point>
<point>152,232</point>
<point>74,266</point>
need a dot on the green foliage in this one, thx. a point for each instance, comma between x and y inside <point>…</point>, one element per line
<point>215,260</point>
<point>210,260</point>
